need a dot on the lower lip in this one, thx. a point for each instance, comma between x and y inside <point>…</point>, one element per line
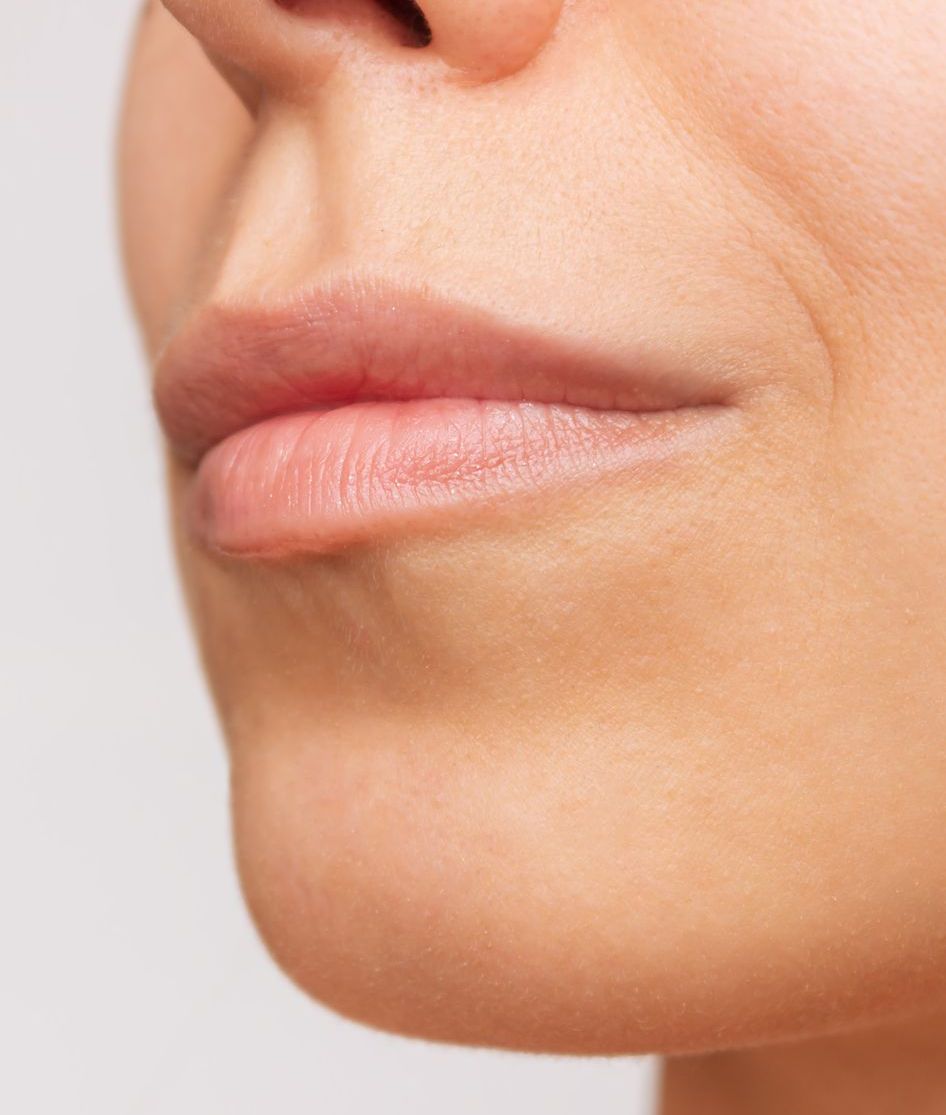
<point>318,481</point>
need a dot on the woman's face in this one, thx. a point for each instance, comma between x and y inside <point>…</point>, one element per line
<point>606,725</point>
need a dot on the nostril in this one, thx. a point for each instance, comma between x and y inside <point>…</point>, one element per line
<point>407,13</point>
<point>411,18</point>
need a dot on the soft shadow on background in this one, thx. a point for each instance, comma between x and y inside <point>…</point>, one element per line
<point>130,979</point>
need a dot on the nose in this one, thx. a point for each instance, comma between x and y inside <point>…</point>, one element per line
<point>292,45</point>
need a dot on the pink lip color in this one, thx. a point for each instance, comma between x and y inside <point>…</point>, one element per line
<point>364,410</point>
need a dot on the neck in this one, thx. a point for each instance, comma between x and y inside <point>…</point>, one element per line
<point>875,1072</point>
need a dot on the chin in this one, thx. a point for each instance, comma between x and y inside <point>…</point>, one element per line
<point>412,888</point>
<point>483,796</point>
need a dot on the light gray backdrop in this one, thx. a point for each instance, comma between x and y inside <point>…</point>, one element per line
<point>130,980</point>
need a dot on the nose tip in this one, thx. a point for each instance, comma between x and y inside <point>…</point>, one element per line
<point>287,44</point>
<point>491,39</point>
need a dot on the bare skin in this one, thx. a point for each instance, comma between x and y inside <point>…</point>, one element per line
<point>653,764</point>
<point>882,1071</point>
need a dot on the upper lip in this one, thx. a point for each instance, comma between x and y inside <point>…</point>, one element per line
<point>232,365</point>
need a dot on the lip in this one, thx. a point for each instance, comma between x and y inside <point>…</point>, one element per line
<point>351,411</point>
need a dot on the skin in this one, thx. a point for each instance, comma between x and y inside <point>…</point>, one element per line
<point>659,767</point>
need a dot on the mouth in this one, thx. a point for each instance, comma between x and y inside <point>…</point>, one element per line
<point>363,409</point>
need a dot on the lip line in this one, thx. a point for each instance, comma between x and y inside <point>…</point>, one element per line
<point>232,366</point>
<point>358,401</point>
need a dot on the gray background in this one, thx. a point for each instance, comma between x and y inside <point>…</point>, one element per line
<point>130,979</point>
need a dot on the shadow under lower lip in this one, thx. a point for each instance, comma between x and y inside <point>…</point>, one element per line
<point>316,482</point>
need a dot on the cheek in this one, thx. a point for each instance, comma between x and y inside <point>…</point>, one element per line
<point>837,110</point>
<point>181,136</point>
<point>836,115</point>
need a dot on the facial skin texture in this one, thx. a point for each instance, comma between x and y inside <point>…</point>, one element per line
<point>660,766</point>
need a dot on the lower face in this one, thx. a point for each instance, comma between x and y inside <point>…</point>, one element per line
<point>647,754</point>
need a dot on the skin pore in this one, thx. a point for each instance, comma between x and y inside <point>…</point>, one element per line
<point>655,763</point>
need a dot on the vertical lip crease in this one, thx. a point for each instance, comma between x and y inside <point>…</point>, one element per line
<point>234,364</point>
